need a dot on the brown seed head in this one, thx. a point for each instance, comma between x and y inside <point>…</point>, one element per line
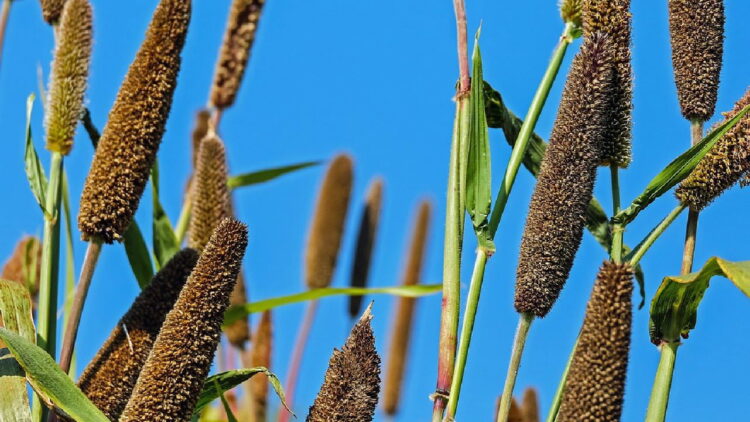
<point>696,29</point>
<point>261,356</point>
<point>570,10</point>
<point>130,139</point>
<point>515,414</point>
<point>557,213</point>
<point>200,130</point>
<point>402,321</point>
<point>612,17</point>
<point>110,378</point>
<point>726,163</point>
<point>596,381</point>
<point>368,227</point>
<point>238,333</point>
<point>52,9</point>
<point>25,264</point>
<point>70,71</point>
<point>324,238</point>
<point>210,194</point>
<point>530,405</point>
<point>352,381</point>
<point>176,368</point>
<point>238,39</point>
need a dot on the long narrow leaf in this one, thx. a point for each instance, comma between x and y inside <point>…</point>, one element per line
<point>235,313</point>
<point>138,255</point>
<point>15,315</point>
<point>47,379</point>
<point>225,381</point>
<point>34,170</point>
<point>674,309</point>
<point>260,176</point>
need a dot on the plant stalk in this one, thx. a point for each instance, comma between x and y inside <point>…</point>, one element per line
<point>82,289</point>
<point>184,220</point>
<point>657,405</point>
<point>691,230</point>
<point>524,322</point>
<point>299,350</point>
<point>472,302</point>
<point>557,399</point>
<point>50,264</point>
<point>635,257</point>
<point>4,13</point>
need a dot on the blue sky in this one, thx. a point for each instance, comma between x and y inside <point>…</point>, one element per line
<point>375,79</point>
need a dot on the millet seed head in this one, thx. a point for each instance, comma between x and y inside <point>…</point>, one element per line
<point>515,414</point>
<point>210,194</point>
<point>238,333</point>
<point>25,265</point>
<point>109,379</point>
<point>261,356</point>
<point>725,164</point>
<point>368,228</point>
<point>557,213</point>
<point>327,227</point>
<point>131,137</point>
<point>401,330</point>
<point>235,51</point>
<point>200,130</point>
<point>51,10</point>
<point>70,71</point>
<point>173,376</point>
<point>530,405</point>
<point>596,382</point>
<point>613,18</point>
<point>570,10</point>
<point>696,30</point>
<point>352,381</point>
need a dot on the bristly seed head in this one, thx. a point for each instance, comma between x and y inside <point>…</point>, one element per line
<point>530,405</point>
<point>131,137</point>
<point>613,18</point>
<point>327,228</point>
<point>109,379</point>
<point>352,381</point>
<point>554,226</point>
<point>696,29</point>
<point>725,164</point>
<point>570,10</point>
<point>261,356</point>
<point>200,130</point>
<point>51,10</point>
<point>595,387</point>
<point>368,228</point>
<point>235,51</point>
<point>174,373</point>
<point>210,194</point>
<point>70,71</point>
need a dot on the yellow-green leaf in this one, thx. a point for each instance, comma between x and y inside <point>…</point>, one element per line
<point>255,177</point>
<point>15,315</point>
<point>34,170</point>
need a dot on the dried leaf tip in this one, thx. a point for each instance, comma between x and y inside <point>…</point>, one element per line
<point>570,10</point>
<point>131,138</point>
<point>327,227</point>
<point>235,51</point>
<point>70,70</point>
<point>696,30</point>
<point>109,379</point>
<point>725,164</point>
<point>368,228</point>
<point>613,18</point>
<point>210,194</point>
<point>51,10</point>
<point>173,376</point>
<point>352,381</point>
<point>554,225</point>
<point>596,381</point>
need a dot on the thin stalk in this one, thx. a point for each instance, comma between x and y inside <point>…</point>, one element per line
<point>635,257</point>
<point>82,290</point>
<point>299,350</point>
<point>70,282</point>
<point>48,288</point>
<point>691,230</point>
<point>617,230</point>
<point>557,399</point>
<point>4,13</point>
<point>657,405</point>
<point>527,128</point>
<point>524,322</point>
<point>472,302</point>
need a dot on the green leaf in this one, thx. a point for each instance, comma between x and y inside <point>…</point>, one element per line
<point>225,381</point>
<point>138,254</point>
<point>478,173</point>
<point>15,315</point>
<point>676,171</point>
<point>674,309</point>
<point>597,222</point>
<point>47,379</point>
<point>227,408</point>
<point>34,170</point>
<point>260,176</point>
<point>237,312</point>
<point>165,240</point>
<point>70,276</point>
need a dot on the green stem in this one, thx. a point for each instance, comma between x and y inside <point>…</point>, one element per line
<point>183,221</point>
<point>557,399</point>
<point>527,128</point>
<point>657,405</point>
<point>617,230</point>
<point>524,322</point>
<point>472,302</point>
<point>691,230</point>
<point>635,256</point>
<point>70,282</point>
<point>47,315</point>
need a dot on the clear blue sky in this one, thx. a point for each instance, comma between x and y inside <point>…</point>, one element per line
<point>375,79</point>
